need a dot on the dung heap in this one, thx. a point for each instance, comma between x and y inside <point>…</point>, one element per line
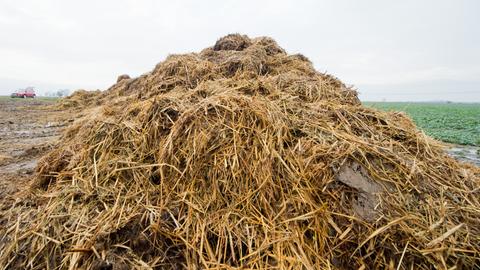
<point>243,156</point>
<point>79,100</point>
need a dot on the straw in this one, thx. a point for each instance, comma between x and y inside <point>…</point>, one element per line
<point>243,156</point>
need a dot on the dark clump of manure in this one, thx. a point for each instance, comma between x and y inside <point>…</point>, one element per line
<point>243,156</point>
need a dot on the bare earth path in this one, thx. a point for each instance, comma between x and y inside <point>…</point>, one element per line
<point>28,129</point>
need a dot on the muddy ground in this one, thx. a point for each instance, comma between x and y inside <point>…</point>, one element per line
<point>30,128</point>
<point>465,153</point>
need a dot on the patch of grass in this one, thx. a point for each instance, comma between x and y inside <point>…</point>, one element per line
<point>450,122</point>
<point>3,98</point>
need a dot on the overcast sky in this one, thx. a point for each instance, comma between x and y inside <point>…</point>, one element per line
<point>392,50</point>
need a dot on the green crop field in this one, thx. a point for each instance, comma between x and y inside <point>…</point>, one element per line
<point>450,122</point>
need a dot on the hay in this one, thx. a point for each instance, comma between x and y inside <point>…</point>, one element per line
<point>123,77</point>
<point>80,99</point>
<point>243,156</point>
<point>234,42</point>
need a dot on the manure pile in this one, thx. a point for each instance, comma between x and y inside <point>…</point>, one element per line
<point>80,99</point>
<point>243,156</point>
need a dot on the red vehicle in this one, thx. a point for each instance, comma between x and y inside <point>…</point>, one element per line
<point>24,93</point>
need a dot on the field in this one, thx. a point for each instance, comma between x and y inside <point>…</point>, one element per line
<point>457,123</point>
<point>28,130</point>
<point>46,99</point>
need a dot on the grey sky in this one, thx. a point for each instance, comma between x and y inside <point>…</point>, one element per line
<point>393,50</point>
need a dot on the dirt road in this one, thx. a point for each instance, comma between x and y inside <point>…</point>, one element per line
<point>28,129</point>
